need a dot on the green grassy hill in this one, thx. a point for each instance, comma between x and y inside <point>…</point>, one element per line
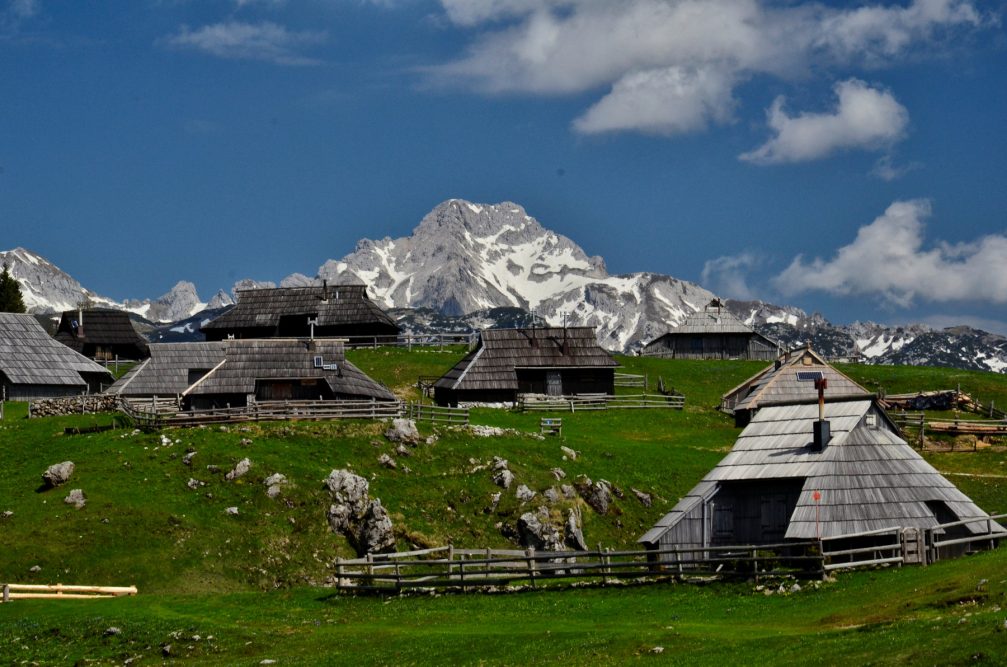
<point>253,581</point>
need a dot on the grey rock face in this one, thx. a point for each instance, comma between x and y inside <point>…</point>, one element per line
<point>348,489</point>
<point>524,494</point>
<point>573,533</point>
<point>597,495</point>
<point>537,532</point>
<point>376,535</point>
<point>178,304</point>
<point>403,430</point>
<point>644,498</point>
<point>58,473</point>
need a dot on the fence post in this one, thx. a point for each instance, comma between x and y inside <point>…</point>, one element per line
<point>339,572</point>
<point>6,592</point>
<point>461,570</point>
<point>451,557</point>
<point>755,564</point>
<point>530,559</point>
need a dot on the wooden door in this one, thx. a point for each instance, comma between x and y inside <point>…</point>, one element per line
<point>553,383</point>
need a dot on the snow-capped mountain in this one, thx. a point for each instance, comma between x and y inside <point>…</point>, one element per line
<point>48,289</point>
<point>466,257</point>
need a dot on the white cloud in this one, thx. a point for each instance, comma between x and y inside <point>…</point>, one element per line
<point>640,50</point>
<point>245,41</point>
<point>887,259</point>
<point>666,101</point>
<point>886,169</point>
<point>865,118</point>
<point>728,275</point>
<point>23,9</point>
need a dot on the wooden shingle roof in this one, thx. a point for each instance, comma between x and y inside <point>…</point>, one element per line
<point>868,477</point>
<point>30,356</point>
<point>791,382</point>
<point>492,364</point>
<point>248,360</point>
<point>102,326</point>
<point>333,304</point>
<point>166,372</point>
<point>713,319</point>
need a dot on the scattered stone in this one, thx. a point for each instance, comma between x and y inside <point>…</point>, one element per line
<point>231,511</point>
<point>568,491</point>
<point>657,650</point>
<point>796,588</point>
<point>267,661</point>
<point>483,431</point>
<point>187,459</point>
<point>165,441</point>
<point>403,430</point>
<point>982,584</point>
<point>495,501</point>
<point>596,494</point>
<point>499,463</point>
<point>431,439</point>
<point>524,494</point>
<point>275,479</point>
<point>388,462</point>
<point>406,469</point>
<point>213,469</point>
<point>58,473</point>
<point>240,470</point>
<point>558,473</point>
<point>194,483</point>
<point>245,442</point>
<point>568,453</point>
<point>76,498</point>
<point>273,491</point>
<point>402,450</point>
<point>35,568</point>
<point>7,514</point>
<point>551,494</point>
<point>166,648</point>
<point>504,478</point>
<point>376,533</point>
<point>111,632</point>
<point>644,498</point>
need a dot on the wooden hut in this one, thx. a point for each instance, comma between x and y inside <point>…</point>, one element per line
<point>712,333</point>
<point>101,333</point>
<point>865,476</point>
<point>170,370</point>
<point>282,369</point>
<point>303,312</point>
<point>33,365</point>
<point>789,379</point>
<point>507,362</point>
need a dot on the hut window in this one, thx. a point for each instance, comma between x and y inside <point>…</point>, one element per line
<point>871,420</point>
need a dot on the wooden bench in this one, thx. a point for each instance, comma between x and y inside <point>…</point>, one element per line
<point>551,426</point>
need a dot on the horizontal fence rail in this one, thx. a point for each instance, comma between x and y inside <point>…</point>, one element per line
<point>263,411</point>
<point>588,402</point>
<point>630,380</point>
<point>62,591</point>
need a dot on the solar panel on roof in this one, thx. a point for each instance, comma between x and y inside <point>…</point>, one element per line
<point>809,376</point>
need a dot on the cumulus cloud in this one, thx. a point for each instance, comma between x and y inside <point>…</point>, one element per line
<point>653,55</point>
<point>865,118</point>
<point>886,169</point>
<point>667,101</point>
<point>728,275</point>
<point>887,259</point>
<point>245,41</point>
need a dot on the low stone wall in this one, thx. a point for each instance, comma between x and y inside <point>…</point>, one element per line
<point>73,405</point>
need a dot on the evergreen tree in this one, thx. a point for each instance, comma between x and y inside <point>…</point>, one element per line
<point>11,300</point>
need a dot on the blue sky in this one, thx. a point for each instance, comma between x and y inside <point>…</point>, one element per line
<point>845,158</point>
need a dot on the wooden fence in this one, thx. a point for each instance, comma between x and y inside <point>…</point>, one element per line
<point>263,411</point>
<point>915,425</point>
<point>450,567</point>
<point>631,380</point>
<point>436,414</point>
<point>590,402</point>
<point>62,591</point>
<point>409,341</point>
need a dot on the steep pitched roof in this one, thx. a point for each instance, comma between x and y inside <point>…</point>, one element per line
<point>713,319</point>
<point>248,360</point>
<point>102,326</point>
<point>166,372</point>
<point>867,476</point>
<point>333,304</point>
<point>28,355</point>
<point>792,382</point>
<point>492,365</point>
